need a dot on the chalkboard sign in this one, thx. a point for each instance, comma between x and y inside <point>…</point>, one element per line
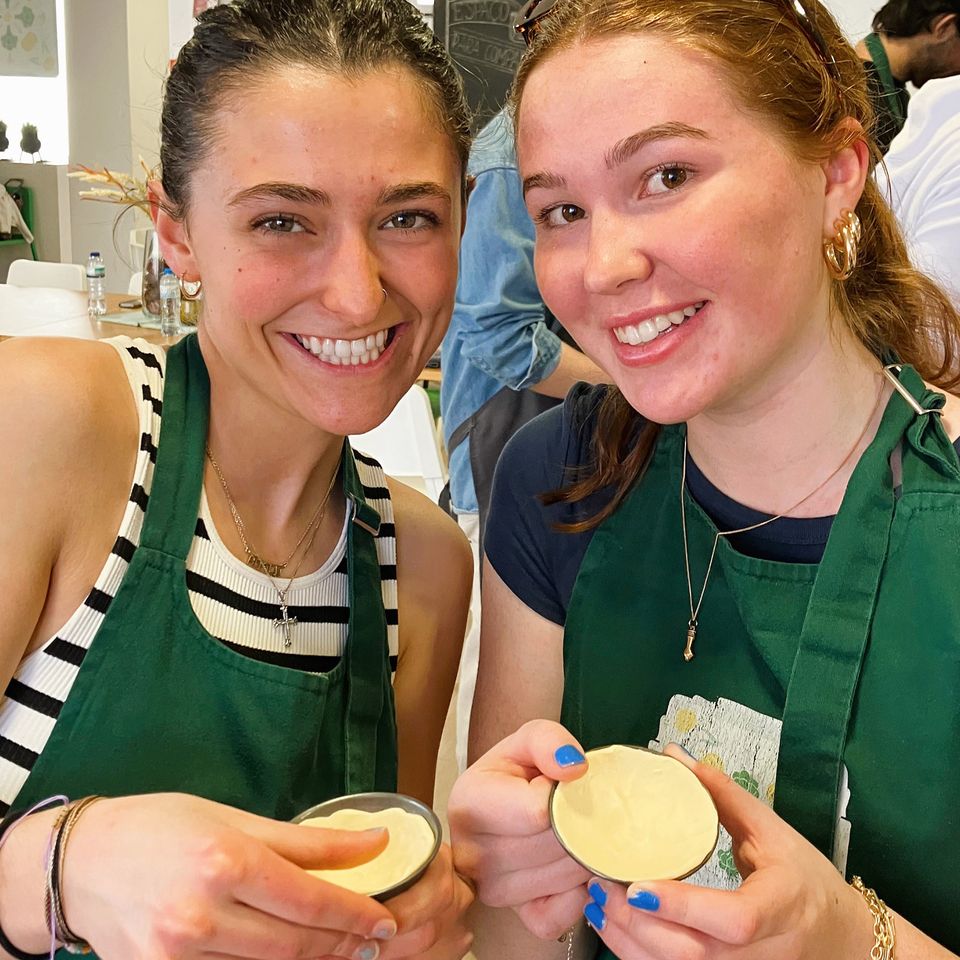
<point>480,37</point>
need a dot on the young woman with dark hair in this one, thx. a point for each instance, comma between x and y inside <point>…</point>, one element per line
<point>218,613</point>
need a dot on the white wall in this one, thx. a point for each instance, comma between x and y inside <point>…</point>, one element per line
<point>180,14</point>
<point>114,103</point>
<point>147,58</point>
<point>855,16</point>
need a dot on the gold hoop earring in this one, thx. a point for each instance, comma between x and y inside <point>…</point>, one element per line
<point>190,289</point>
<point>840,251</point>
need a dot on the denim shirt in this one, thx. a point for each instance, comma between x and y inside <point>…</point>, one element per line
<point>498,336</point>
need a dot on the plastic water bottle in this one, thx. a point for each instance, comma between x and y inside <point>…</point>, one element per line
<point>169,303</point>
<point>96,285</point>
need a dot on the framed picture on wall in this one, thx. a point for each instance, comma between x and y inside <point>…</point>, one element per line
<point>28,38</point>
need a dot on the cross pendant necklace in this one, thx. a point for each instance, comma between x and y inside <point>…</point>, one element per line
<point>271,570</point>
<point>284,622</point>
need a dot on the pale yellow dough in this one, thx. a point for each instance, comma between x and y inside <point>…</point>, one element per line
<point>410,844</point>
<point>636,815</point>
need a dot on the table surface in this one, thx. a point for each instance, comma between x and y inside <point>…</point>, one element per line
<point>49,312</point>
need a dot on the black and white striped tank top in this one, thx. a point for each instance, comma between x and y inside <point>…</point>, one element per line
<point>235,603</point>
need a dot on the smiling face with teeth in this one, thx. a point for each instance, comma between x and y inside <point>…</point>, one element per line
<point>326,233</point>
<point>678,235</point>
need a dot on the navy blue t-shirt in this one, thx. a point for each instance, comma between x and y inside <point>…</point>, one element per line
<point>540,564</point>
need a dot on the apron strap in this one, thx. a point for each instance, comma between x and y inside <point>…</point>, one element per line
<point>171,516</point>
<point>169,528</point>
<point>836,632</point>
<point>891,92</point>
<point>366,651</point>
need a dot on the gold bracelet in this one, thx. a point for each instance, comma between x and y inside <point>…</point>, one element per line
<point>884,932</point>
<point>67,937</point>
<point>48,907</point>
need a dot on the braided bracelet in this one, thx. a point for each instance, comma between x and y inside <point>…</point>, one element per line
<point>59,928</point>
<point>49,858</point>
<point>884,932</point>
<point>9,822</point>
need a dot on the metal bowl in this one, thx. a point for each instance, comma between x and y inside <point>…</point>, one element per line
<point>373,803</point>
<point>591,867</point>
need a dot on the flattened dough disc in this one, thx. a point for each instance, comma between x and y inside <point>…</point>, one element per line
<point>411,844</point>
<point>635,815</point>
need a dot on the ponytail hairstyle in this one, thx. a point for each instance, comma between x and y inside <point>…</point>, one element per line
<point>804,84</point>
<point>234,45</point>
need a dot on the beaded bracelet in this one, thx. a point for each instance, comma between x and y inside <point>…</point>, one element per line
<point>9,822</point>
<point>884,932</point>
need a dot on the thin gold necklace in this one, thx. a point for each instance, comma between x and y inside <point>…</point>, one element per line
<point>693,622</point>
<point>253,557</point>
<point>284,622</point>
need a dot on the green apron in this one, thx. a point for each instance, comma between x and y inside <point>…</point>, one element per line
<point>859,655</point>
<point>896,99</point>
<point>161,705</point>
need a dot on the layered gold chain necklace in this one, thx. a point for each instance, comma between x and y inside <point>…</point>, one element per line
<point>284,622</point>
<point>693,622</point>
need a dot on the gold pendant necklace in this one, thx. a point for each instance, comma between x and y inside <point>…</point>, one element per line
<point>693,622</point>
<point>284,622</point>
<point>253,557</point>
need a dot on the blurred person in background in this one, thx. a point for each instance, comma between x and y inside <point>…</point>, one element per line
<point>924,170</point>
<point>913,41</point>
<point>505,357</point>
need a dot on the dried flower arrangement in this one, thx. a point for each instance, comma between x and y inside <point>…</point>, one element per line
<point>121,188</point>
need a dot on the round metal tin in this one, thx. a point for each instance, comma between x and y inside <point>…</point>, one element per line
<point>372,803</point>
<point>591,867</point>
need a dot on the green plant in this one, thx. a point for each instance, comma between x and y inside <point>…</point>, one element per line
<point>29,141</point>
<point>4,142</point>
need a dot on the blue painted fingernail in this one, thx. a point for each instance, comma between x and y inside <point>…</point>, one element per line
<point>385,930</point>
<point>598,893</point>
<point>569,756</point>
<point>369,951</point>
<point>595,916</point>
<point>684,750</point>
<point>644,900</point>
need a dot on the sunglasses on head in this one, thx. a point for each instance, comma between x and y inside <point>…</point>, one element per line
<point>537,11</point>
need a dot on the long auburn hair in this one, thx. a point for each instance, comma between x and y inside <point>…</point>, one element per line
<point>781,76</point>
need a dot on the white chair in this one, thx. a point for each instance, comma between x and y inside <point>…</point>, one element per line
<point>407,446</point>
<point>43,273</point>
